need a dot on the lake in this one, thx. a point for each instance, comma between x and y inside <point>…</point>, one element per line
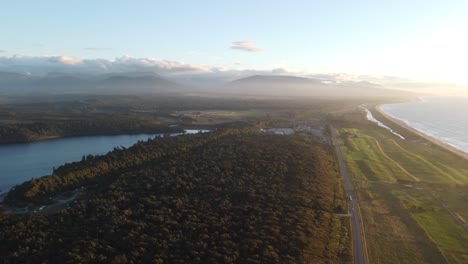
<point>21,162</point>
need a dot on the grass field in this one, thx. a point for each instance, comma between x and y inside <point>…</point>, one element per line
<point>412,197</point>
<point>222,116</point>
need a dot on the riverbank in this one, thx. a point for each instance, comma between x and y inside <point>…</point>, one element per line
<point>168,130</point>
<point>431,139</point>
<point>22,162</point>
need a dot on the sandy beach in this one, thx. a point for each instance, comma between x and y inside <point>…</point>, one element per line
<point>427,137</point>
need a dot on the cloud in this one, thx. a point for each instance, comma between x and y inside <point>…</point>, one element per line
<point>245,45</point>
<point>185,73</point>
<point>39,65</point>
<point>67,60</point>
<point>126,63</point>
<point>2,51</point>
<point>282,71</point>
<point>182,71</point>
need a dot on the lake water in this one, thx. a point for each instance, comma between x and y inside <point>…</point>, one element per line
<point>21,162</point>
<point>441,117</point>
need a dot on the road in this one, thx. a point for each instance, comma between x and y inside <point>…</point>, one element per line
<point>358,249</point>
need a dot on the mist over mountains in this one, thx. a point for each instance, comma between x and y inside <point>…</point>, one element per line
<point>21,74</point>
<point>146,83</point>
<point>58,83</point>
<point>300,86</point>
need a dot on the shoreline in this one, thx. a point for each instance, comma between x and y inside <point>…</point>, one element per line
<point>4,191</point>
<point>429,138</point>
<point>55,137</point>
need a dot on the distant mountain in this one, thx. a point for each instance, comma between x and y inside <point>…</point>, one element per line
<point>276,79</point>
<point>140,84</point>
<point>127,74</point>
<point>61,83</point>
<point>6,77</point>
<point>270,85</point>
<point>143,83</point>
<point>11,82</point>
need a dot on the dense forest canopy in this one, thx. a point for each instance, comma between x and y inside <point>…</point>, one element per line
<point>112,125</point>
<point>231,196</point>
<point>26,119</point>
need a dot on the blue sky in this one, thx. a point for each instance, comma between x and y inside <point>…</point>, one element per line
<point>416,39</point>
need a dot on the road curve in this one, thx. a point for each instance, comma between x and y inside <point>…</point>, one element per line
<point>358,249</point>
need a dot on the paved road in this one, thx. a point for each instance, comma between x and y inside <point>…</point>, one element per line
<point>358,250</point>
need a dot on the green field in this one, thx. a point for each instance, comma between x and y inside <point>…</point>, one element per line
<point>412,197</point>
<point>209,117</point>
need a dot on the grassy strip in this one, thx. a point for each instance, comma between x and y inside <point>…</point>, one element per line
<point>402,224</point>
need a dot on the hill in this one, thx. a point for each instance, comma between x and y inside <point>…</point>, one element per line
<point>109,84</point>
<point>270,85</point>
<point>122,84</point>
<point>8,77</point>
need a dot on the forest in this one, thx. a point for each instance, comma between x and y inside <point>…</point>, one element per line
<point>112,125</point>
<point>230,196</point>
<point>26,119</point>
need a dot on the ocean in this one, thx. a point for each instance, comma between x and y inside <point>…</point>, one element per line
<point>441,117</point>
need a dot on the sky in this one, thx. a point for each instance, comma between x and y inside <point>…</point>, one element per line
<point>422,40</point>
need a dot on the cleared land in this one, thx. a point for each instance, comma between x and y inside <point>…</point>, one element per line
<point>211,117</point>
<point>411,195</point>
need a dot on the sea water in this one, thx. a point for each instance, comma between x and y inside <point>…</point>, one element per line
<point>442,117</point>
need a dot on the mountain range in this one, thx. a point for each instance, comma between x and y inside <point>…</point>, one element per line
<point>145,83</point>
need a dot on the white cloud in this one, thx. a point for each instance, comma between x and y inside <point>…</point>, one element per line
<point>2,51</point>
<point>245,45</point>
<point>39,65</point>
<point>67,60</point>
<point>127,63</point>
<point>43,64</point>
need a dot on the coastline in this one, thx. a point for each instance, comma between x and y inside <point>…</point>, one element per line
<point>431,139</point>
